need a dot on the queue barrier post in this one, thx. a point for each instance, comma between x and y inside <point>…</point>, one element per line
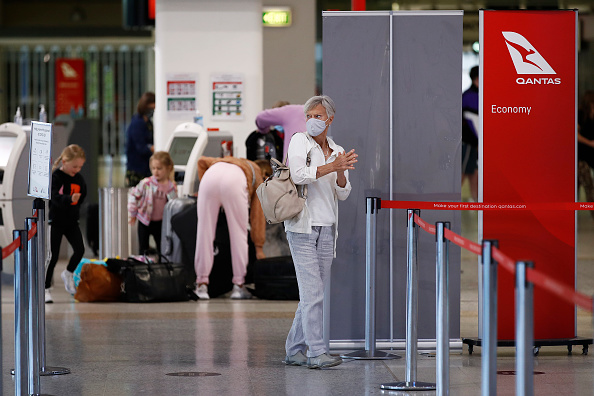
<point>1,350</point>
<point>373,205</point>
<point>32,309</point>
<point>524,330</point>
<point>489,334</point>
<point>44,370</point>
<point>20,314</point>
<point>410,383</point>
<point>442,321</point>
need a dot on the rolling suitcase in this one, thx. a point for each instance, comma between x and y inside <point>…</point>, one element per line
<point>170,242</point>
<point>275,279</point>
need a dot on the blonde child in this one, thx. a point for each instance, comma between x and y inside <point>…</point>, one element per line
<point>147,200</point>
<point>68,193</point>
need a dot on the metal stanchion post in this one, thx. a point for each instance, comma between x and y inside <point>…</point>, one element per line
<point>32,307</point>
<point>524,331</point>
<point>1,349</point>
<point>39,206</point>
<point>20,314</point>
<point>373,205</point>
<point>489,336</point>
<point>411,383</point>
<point>442,324</point>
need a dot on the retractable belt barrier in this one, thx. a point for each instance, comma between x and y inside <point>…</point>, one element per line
<point>28,246</point>
<point>526,278</point>
<point>538,278</point>
<point>488,206</point>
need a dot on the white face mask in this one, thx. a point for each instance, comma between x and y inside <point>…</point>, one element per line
<point>315,126</point>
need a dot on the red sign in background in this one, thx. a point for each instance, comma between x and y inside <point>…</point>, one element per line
<point>70,86</point>
<point>529,154</point>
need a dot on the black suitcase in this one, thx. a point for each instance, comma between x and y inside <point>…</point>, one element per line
<point>275,279</point>
<point>184,224</point>
<point>93,228</point>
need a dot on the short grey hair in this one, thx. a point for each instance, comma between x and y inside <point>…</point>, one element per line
<point>324,100</point>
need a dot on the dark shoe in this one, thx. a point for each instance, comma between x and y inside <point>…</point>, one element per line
<point>298,359</point>
<point>323,361</point>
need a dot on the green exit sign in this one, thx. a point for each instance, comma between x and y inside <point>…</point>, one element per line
<point>276,16</point>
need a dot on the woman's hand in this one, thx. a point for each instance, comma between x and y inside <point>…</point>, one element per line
<point>345,161</point>
<point>132,220</point>
<point>260,253</point>
<point>75,197</point>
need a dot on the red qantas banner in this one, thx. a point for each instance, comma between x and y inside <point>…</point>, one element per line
<point>70,86</point>
<point>528,91</point>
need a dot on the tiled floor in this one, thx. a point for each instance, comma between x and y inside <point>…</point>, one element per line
<point>118,349</point>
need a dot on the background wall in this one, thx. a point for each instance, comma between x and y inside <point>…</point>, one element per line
<point>209,37</point>
<point>289,54</point>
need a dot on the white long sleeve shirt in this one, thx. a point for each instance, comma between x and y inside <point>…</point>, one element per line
<point>321,206</point>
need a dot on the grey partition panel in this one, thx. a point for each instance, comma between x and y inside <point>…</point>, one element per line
<point>396,79</point>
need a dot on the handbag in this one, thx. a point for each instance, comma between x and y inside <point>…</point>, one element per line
<point>280,198</point>
<point>147,281</point>
<point>98,284</point>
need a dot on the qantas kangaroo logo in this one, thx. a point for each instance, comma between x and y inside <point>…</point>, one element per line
<point>526,58</point>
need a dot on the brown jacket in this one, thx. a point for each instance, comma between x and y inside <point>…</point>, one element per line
<point>257,219</point>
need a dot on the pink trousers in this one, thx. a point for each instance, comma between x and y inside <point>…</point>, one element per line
<point>223,185</point>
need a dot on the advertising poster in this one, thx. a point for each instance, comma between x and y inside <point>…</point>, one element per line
<point>181,95</point>
<point>70,86</point>
<point>528,154</point>
<point>227,97</point>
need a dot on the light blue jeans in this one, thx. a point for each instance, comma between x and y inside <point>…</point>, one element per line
<point>312,257</point>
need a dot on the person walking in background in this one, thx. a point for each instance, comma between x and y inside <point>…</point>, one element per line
<point>231,183</point>
<point>470,110</point>
<point>289,117</point>
<point>139,140</point>
<point>146,201</point>
<point>312,233</point>
<point>68,193</point>
<point>586,146</point>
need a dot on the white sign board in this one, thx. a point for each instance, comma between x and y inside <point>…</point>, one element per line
<point>227,97</point>
<point>182,94</point>
<point>40,161</point>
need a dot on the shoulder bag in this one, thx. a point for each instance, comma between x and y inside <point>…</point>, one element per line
<point>280,198</point>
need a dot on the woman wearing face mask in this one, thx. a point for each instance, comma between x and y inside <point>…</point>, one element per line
<point>139,140</point>
<point>312,233</point>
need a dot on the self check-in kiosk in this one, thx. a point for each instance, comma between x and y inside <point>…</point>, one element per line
<point>185,146</point>
<point>15,205</point>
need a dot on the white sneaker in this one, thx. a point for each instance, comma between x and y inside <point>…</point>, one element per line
<point>240,293</point>
<point>68,279</point>
<point>202,292</point>
<point>48,296</point>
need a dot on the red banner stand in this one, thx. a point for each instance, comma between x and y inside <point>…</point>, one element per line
<point>528,155</point>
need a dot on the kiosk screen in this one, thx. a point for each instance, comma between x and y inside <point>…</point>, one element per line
<point>181,148</point>
<point>6,145</point>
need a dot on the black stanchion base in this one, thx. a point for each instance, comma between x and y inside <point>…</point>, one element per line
<point>409,386</point>
<point>370,355</point>
<point>49,370</point>
<point>570,342</point>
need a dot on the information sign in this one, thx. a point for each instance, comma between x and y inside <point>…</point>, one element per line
<point>40,161</point>
<point>528,153</point>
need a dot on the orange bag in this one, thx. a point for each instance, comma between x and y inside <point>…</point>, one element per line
<point>98,284</point>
